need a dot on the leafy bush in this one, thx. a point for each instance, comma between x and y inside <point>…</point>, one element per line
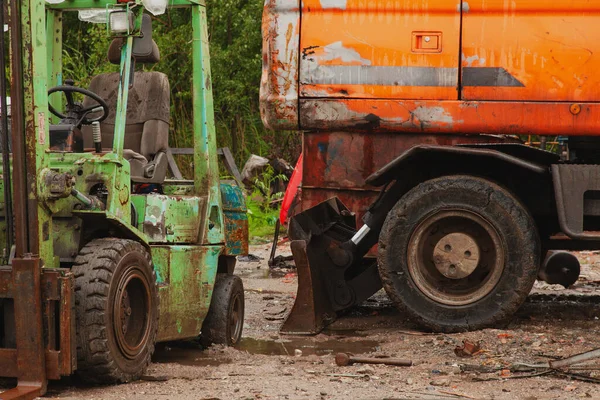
<point>263,204</point>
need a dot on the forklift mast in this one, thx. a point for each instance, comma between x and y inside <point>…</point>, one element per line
<point>43,338</point>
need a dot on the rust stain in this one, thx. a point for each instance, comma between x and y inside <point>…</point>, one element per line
<point>279,81</point>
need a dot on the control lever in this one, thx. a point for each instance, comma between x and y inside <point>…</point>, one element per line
<point>97,135</point>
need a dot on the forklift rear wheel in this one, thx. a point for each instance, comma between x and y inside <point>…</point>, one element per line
<point>225,319</point>
<point>459,253</point>
<point>116,302</point>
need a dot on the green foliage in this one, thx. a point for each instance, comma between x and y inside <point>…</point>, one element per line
<point>236,59</point>
<point>261,221</point>
<point>263,210</point>
<point>264,184</point>
<point>85,47</point>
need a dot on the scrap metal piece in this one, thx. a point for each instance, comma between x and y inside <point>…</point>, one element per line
<point>560,267</point>
<point>576,359</point>
<point>332,274</point>
<point>344,360</point>
<point>468,349</point>
<point>310,313</point>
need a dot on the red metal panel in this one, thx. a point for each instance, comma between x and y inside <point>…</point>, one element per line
<point>343,160</point>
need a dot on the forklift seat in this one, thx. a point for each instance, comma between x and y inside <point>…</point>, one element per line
<point>147,125</point>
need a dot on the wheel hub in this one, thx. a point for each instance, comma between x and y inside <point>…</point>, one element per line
<point>456,255</point>
<point>236,319</point>
<point>132,313</point>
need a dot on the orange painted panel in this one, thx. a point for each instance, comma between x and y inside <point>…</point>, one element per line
<point>552,48</point>
<point>380,49</point>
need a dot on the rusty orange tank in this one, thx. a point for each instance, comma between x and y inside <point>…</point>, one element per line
<point>415,175</point>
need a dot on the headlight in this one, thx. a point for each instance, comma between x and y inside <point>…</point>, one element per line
<point>120,21</point>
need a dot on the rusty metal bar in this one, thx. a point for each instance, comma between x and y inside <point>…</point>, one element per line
<point>67,347</point>
<point>31,360</point>
<point>173,165</point>
<point>8,363</point>
<point>18,131</point>
<point>185,151</point>
<point>22,392</point>
<point>231,166</point>
<point>6,282</point>
<point>6,175</point>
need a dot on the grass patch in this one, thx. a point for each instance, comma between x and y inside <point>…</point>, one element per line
<point>261,221</point>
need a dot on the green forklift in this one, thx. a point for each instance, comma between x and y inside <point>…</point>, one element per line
<point>104,253</point>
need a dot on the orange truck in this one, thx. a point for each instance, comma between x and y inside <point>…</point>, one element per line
<point>414,174</point>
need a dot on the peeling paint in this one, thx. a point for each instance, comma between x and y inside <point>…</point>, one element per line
<point>279,80</point>
<point>470,60</point>
<point>339,4</point>
<point>337,51</point>
<point>384,76</point>
<point>172,219</point>
<point>429,115</point>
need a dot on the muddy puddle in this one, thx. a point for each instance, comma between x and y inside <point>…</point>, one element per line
<point>185,354</point>
<point>193,355</point>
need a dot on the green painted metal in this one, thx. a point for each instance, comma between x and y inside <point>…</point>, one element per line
<point>35,98</point>
<point>236,220</point>
<point>186,291</point>
<point>73,5</point>
<point>206,170</point>
<point>172,219</point>
<point>123,95</point>
<point>54,56</point>
<point>179,189</point>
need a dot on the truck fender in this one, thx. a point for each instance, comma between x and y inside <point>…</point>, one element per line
<point>438,155</point>
<point>424,162</point>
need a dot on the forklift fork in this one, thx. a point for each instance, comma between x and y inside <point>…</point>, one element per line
<point>38,324</point>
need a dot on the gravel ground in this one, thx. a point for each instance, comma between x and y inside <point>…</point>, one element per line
<point>554,323</point>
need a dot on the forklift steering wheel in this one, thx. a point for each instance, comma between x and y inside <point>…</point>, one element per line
<point>76,110</point>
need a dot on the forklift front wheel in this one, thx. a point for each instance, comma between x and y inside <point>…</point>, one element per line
<point>116,303</point>
<point>459,253</point>
<point>225,319</point>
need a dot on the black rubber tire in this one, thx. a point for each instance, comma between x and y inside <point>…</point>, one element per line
<point>217,326</point>
<point>99,269</point>
<point>502,210</point>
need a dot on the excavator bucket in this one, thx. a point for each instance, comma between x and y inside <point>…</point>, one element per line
<point>332,276</point>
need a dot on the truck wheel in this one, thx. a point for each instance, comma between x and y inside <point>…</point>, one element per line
<point>458,253</point>
<point>116,304</point>
<point>225,319</point>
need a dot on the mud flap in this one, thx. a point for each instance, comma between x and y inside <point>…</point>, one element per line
<point>332,275</point>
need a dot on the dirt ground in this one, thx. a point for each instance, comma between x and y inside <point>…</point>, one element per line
<point>554,323</point>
